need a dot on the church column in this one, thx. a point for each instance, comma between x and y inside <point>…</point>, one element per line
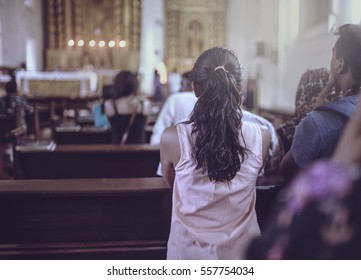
<point>151,42</point>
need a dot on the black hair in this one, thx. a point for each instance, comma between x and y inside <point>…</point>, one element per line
<point>348,46</point>
<point>219,79</point>
<point>11,86</point>
<point>186,82</point>
<point>125,83</point>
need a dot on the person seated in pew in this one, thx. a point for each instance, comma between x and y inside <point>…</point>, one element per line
<point>318,215</point>
<point>274,155</point>
<point>174,82</point>
<point>309,87</point>
<point>317,134</point>
<point>176,108</point>
<point>12,103</point>
<point>212,163</point>
<point>100,119</point>
<point>127,112</point>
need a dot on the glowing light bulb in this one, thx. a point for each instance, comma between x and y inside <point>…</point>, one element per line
<point>92,43</point>
<point>111,44</point>
<point>71,43</point>
<point>101,44</point>
<point>122,44</point>
<point>81,43</point>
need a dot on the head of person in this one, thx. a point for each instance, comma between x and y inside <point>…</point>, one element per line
<point>107,92</point>
<point>11,86</point>
<point>186,82</point>
<point>125,83</point>
<point>347,54</point>
<point>218,81</point>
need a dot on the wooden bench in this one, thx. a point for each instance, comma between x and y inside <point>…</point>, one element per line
<point>82,135</point>
<point>49,110</point>
<point>86,161</point>
<point>7,140</point>
<point>84,219</point>
<point>93,218</point>
<point>268,188</point>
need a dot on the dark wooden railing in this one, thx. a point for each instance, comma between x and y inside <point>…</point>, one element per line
<point>86,161</point>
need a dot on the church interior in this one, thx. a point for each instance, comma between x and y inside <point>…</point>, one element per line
<point>68,190</point>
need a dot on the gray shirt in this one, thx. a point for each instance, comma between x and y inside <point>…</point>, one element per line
<point>317,134</point>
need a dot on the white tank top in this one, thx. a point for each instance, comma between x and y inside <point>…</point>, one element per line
<point>214,220</point>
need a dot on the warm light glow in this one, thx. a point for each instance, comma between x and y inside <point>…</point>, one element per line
<point>71,43</point>
<point>111,44</point>
<point>101,43</point>
<point>92,43</point>
<point>81,43</point>
<point>122,44</point>
<point>162,70</point>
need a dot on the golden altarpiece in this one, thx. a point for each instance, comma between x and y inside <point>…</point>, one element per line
<point>86,44</point>
<point>103,34</point>
<point>192,26</point>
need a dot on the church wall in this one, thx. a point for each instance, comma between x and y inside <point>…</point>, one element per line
<point>22,29</point>
<point>252,27</point>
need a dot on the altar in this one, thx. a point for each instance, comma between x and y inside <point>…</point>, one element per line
<point>57,83</point>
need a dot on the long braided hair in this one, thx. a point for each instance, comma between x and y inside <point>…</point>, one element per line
<point>216,117</point>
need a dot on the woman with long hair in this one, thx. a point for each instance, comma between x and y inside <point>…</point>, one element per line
<point>121,108</point>
<point>212,162</point>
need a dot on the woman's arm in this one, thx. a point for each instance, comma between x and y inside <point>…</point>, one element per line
<point>169,154</point>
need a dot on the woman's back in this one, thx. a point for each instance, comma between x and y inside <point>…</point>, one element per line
<point>120,111</point>
<point>212,161</point>
<point>126,110</point>
<point>214,220</point>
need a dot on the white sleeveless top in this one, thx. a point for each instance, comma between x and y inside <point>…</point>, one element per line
<point>214,220</point>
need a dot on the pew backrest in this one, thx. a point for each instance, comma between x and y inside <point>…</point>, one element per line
<point>86,161</point>
<point>125,218</point>
<point>79,135</point>
<point>84,219</point>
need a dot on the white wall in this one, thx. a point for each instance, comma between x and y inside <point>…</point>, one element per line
<point>250,22</point>
<point>243,29</point>
<point>20,24</point>
<point>311,49</point>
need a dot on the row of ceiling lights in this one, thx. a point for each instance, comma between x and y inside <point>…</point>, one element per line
<point>101,43</point>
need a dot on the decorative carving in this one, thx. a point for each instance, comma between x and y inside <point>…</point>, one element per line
<point>73,24</point>
<point>192,27</point>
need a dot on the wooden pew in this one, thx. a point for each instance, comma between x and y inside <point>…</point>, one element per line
<point>48,110</point>
<point>84,219</point>
<point>9,139</point>
<point>111,161</point>
<point>82,135</point>
<point>268,188</point>
<point>92,218</point>
<point>86,161</point>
